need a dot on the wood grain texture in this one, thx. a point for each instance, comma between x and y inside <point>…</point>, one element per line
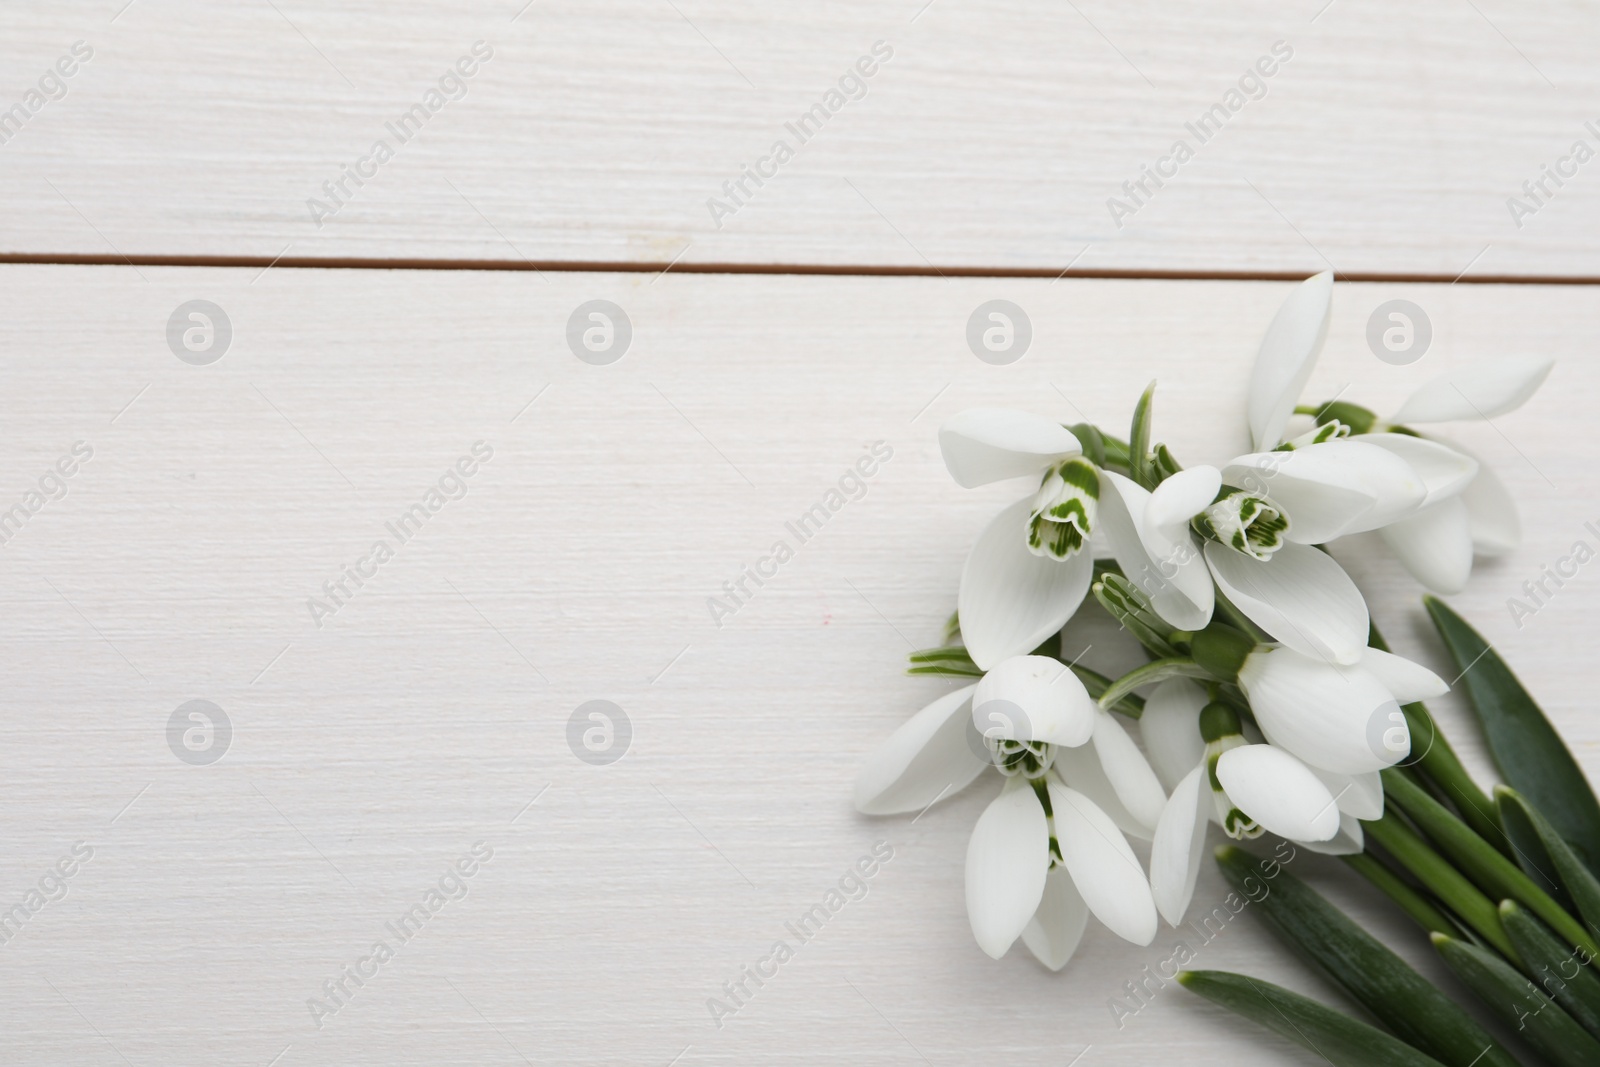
<point>1389,144</point>
<point>371,752</point>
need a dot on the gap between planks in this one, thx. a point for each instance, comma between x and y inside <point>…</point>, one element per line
<point>644,267</point>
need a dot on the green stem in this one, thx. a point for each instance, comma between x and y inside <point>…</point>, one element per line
<point>1481,861</point>
<point>1154,671</point>
<point>1447,883</point>
<point>1411,902</point>
<point>1096,683</point>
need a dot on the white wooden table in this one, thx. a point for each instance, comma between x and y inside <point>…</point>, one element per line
<point>374,745</point>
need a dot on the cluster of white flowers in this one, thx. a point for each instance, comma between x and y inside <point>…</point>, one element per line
<point>1269,712</point>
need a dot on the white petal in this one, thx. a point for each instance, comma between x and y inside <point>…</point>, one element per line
<point>1174,502</point>
<point>1081,769</point>
<point>1301,596</point>
<point>1011,600</point>
<point>1008,856</point>
<point>1180,838</point>
<point>934,753</point>
<point>1334,717</point>
<point>1325,489</point>
<point>1170,727</point>
<point>1360,795</point>
<point>1172,576</point>
<point>1445,471</point>
<point>1102,866</point>
<point>1033,698</point>
<point>1347,842</point>
<point>1287,355</point>
<point>1058,925</point>
<point>1318,510</point>
<point>1279,792</point>
<point>1435,545</point>
<point>1128,771</point>
<point>1405,680</point>
<point>1476,392</point>
<point>1491,514</point>
<point>983,445</point>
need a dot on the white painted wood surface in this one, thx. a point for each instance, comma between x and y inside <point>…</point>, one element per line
<point>424,716</point>
<point>1389,144</point>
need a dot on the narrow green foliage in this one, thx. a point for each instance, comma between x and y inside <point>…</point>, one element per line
<point>1400,998</point>
<point>1564,971</point>
<point>1519,1004</point>
<point>1479,860</point>
<point>1337,1038</point>
<point>1139,458</point>
<point>1442,879</point>
<point>1401,892</point>
<point>1564,864</point>
<point>1526,748</point>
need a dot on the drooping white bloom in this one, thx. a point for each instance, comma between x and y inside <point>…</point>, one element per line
<point>1436,537</point>
<point>1437,544</point>
<point>1217,775</point>
<point>1049,850</point>
<point>1343,718</point>
<point>1148,533</point>
<point>1031,567</point>
<point>1321,486</point>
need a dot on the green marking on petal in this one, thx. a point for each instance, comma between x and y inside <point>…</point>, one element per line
<point>1244,522</point>
<point>1080,474</point>
<point>1064,509</point>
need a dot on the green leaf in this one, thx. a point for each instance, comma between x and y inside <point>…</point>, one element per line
<point>1528,849</point>
<point>1377,979</point>
<point>1339,1039</point>
<point>1486,865</point>
<point>1398,890</point>
<point>1526,748</point>
<point>956,653</point>
<point>1139,441</point>
<point>1452,888</point>
<point>953,661</point>
<point>1562,969</point>
<point>1166,464</point>
<point>1576,878</point>
<point>1519,1004</point>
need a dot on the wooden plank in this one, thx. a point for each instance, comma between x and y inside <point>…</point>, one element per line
<point>1389,143</point>
<point>431,710</point>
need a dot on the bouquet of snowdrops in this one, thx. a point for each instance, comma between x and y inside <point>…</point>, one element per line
<point>1268,705</point>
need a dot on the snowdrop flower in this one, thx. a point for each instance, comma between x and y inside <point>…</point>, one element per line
<point>1200,750</point>
<point>1050,850</point>
<point>1148,533</point>
<point>1343,718</point>
<point>1032,565</point>
<point>1463,507</point>
<point>1280,500</point>
<point>1468,509</point>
